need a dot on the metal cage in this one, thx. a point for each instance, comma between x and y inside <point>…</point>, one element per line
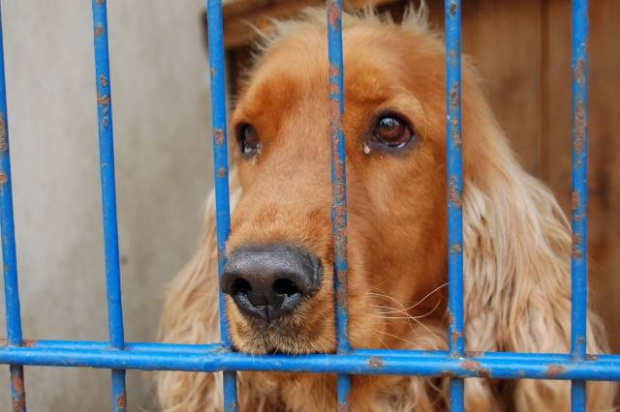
<point>118,356</point>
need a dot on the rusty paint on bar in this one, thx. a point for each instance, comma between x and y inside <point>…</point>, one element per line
<point>121,401</point>
<point>9,253</point>
<point>217,72</point>
<point>108,195</point>
<point>454,141</point>
<point>476,367</point>
<point>339,189</point>
<point>553,371</point>
<point>213,358</point>
<point>375,362</point>
<point>18,392</point>
<point>579,259</point>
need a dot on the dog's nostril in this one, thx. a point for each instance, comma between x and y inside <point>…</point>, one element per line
<point>241,287</point>
<point>285,287</point>
<point>270,281</point>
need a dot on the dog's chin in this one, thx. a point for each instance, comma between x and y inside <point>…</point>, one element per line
<point>277,350</point>
<point>281,337</point>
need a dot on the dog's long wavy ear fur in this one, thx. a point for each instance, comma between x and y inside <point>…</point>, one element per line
<point>191,316</point>
<point>517,263</point>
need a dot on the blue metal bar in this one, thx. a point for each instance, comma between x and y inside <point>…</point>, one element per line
<point>148,347</point>
<point>220,164</point>
<point>108,196</point>
<point>579,260</point>
<point>455,193</point>
<point>182,349</point>
<point>9,254</point>
<point>213,358</point>
<point>339,189</point>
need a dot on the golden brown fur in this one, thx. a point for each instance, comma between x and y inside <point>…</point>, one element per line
<point>517,241</point>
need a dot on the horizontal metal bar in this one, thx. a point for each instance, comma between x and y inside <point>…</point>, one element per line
<point>134,347</point>
<point>213,358</point>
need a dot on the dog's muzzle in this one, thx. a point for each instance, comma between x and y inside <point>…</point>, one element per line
<point>269,282</point>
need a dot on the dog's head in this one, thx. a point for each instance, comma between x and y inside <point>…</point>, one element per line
<point>279,275</point>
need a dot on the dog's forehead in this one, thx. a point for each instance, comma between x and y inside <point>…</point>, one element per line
<point>290,75</point>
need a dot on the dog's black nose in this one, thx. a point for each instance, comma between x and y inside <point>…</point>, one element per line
<point>270,281</point>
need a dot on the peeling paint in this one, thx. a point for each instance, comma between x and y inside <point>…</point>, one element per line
<point>577,244</point>
<point>476,367</point>
<point>375,362</point>
<point>333,13</point>
<point>218,134</point>
<point>454,196</point>
<point>121,401</point>
<point>581,125</point>
<point>575,201</point>
<point>555,370</point>
<point>579,72</point>
<point>103,100</point>
<point>18,394</point>
<point>4,143</point>
<point>453,9</point>
<point>456,248</point>
<point>454,96</point>
<point>334,71</point>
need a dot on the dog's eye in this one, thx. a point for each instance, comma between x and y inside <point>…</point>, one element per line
<point>248,140</point>
<point>392,131</point>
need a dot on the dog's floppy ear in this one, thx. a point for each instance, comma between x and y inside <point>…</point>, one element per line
<point>517,263</point>
<point>191,316</point>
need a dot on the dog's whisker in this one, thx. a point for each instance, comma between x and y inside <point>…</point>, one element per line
<point>386,297</point>
<point>412,306</point>
<point>428,295</point>
<point>406,316</point>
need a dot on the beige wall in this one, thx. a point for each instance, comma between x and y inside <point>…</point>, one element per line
<point>161,115</point>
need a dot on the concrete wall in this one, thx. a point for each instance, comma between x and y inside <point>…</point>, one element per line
<point>162,117</point>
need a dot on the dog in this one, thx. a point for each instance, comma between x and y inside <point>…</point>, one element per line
<point>279,274</point>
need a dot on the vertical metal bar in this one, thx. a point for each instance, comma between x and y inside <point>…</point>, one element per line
<point>9,254</point>
<point>579,260</point>
<point>455,192</point>
<point>339,188</point>
<point>108,196</point>
<point>220,164</point>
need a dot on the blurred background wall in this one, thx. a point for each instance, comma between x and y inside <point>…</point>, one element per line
<point>162,120</point>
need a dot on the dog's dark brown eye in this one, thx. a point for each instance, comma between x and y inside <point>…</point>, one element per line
<point>248,140</point>
<point>392,131</point>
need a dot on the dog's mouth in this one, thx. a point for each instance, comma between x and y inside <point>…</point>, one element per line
<point>275,351</point>
<point>304,331</point>
<point>292,334</point>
